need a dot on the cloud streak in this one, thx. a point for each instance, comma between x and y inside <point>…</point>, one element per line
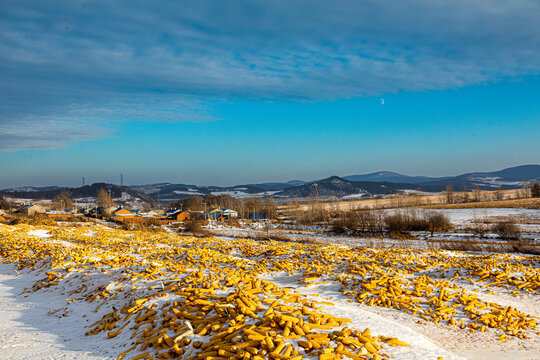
<point>85,64</point>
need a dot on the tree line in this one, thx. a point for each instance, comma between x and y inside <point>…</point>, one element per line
<point>244,207</point>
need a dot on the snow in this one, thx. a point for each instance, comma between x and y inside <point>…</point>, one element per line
<point>361,317</point>
<point>233,193</point>
<point>42,233</point>
<point>28,332</point>
<point>355,196</point>
<point>494,181</point>
<point>458,216</point>
<point>189,192</point>
<point>64,243</point>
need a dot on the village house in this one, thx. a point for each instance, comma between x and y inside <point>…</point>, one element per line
<point>31,209</point>
<point>177,214</point>
<point>120,211</point>
<point>221,214</point>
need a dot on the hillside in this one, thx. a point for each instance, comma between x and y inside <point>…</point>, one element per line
<point>339,187</point>
<point>389,176</point>
<point>349,187</point>
<point>172,192</point>
<point>88,193</point>
<point>509,178</point>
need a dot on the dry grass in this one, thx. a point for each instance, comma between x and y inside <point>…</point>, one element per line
<point>37,219</point>
<point>196,227</point>
<point>485,246</point>
<point>145,227</point>
<point>462,201</point>
<point>507,230</point>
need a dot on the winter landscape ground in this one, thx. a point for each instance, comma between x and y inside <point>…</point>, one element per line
<point>270,180</point>
<point>95,291</point>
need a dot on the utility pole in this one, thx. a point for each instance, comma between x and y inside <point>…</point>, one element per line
<point>83,181</point>
<point>121,179</point>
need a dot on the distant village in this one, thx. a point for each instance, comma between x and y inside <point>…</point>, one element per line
<point>63,208</point>
<point>121,214</point>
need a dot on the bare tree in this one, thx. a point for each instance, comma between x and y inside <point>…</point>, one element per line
<point>191,203</point>
<point>270,207</point>
<point>525,190</point>
<point>449,194</point>
<point>476,192</point>
<point>499,194</point>
<point>6,203</point>
<point>253,205</point>
<point>104,199</point>
<point>63,199</point>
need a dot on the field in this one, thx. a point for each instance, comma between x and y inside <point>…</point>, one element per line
<point>480,200</point>
<point>471,231</point>
<point>100,293</point>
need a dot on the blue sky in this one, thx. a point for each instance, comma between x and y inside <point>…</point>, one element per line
<point>235,92</point>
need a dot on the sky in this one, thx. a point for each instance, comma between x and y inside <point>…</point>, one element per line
<point>232,92</point>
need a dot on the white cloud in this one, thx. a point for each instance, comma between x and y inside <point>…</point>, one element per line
<point>170,62</point>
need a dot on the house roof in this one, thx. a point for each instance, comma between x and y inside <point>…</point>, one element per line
<point>121,209</point>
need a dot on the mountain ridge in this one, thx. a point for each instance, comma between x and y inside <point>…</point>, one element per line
<point>380,183</point>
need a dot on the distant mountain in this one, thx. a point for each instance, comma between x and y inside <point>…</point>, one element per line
<point>507,178</point>
<point>166,192</point>
<point>517,173</point>
<point>332,186</point>
<point>32,188</point>
<point>295,182</point>
<point>88,193</point>
<point>389,176</point>
<point>349,187</point>
<point>340,187</point>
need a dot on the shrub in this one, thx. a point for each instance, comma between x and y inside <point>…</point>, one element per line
<point>438,222</point>
<point>149,226</point>
<point>396,223</point>
<point>507,230</point>
<point>400,223</point>
<point>233,222</point>
<point>345,223</point>
<point>195,227</point>
<point>368,222</point>
<point>535,190</point>
<point>37,219</point>
<point>479,229</point>
<point>76,219</point>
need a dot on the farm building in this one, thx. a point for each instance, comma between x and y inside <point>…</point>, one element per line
<point>122,212</point>
<point>177,214</point>
<point>222,214</point>
<point>32,209</point>
<point>230,214</point>
<point>257,215</point>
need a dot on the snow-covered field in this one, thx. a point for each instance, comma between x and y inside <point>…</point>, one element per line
<point>59,285</point>
<point>463,220</point>
<point>28,330</point>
